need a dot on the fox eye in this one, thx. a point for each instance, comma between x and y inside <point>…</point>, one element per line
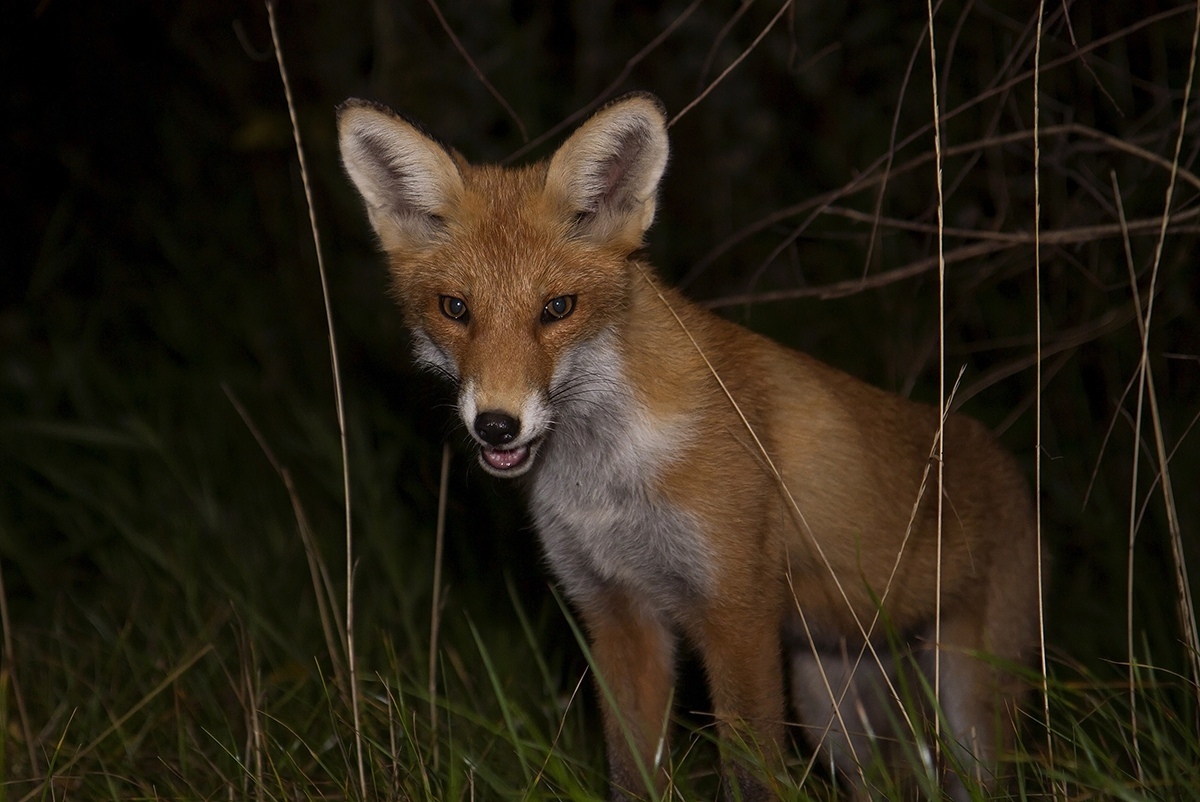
<point>558,308</point>
<point>453,308</point>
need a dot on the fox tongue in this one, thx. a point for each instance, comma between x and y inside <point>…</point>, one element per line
<point>504,460</point>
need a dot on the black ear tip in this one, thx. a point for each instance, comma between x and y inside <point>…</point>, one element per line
<point>646,97</point>
<point>356,103</point>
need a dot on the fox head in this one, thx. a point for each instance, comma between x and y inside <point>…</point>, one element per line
<point>507,275</point>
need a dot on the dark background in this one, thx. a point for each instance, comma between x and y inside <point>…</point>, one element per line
<point>156,259</point>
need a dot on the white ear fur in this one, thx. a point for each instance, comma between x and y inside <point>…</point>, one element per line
<point>407,179</point>
<point>608,171</point>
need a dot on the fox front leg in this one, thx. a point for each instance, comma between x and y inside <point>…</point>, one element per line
<point>634,654</point>
<point>740,647</point>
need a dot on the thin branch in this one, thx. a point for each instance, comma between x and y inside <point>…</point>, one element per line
<point>991,242</point>
<point>1130,655</point>
<point>462,51</point>
<point>871,177</point>
<point>1066,13</point>
<point>626,71</point>
<point>741,57</point>
<point>1067,340</point>
<point>718,40</point>
<point>1062,236</point>
<point>891,152</point>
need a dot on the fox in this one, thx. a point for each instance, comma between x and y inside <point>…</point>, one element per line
<point>693,482</point>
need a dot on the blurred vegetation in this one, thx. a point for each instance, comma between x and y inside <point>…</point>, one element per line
<point>157,263</point>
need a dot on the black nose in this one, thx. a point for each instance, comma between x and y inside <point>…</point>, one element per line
<point>496,428</point>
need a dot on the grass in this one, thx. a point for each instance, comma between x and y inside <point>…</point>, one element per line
<point>171,474</point>
<point>195,666</point>
<point>134,698</point>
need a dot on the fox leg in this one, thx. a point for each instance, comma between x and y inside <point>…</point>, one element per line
<point>844,704</point>
<point>968,701</point>
<point>634,654</point>
<point>979,697</point>
<point>742,659</point>
<point>969,704</point>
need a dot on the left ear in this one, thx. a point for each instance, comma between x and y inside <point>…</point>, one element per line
<point>607,173</point>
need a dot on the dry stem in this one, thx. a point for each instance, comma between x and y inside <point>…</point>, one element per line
<point>338,398</point>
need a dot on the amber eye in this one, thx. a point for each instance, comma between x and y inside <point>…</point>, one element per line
<point>453,308</point>
<point>558,308</point>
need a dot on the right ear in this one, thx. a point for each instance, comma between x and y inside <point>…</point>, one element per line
<point>407,180</point>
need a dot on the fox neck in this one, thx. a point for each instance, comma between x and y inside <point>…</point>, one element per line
<point>663,362</point>
<point>595,493</point>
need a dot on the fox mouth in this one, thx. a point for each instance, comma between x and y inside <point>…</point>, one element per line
<point>508,462</point>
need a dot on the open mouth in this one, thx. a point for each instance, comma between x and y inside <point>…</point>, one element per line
<point>508,461</point>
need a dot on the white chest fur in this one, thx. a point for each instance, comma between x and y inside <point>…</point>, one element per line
<point>594,495</point>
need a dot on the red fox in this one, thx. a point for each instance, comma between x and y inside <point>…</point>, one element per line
<point>691,479</point>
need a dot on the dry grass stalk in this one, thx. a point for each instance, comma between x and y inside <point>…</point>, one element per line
<point>338,397</point>
<point>435,612</point>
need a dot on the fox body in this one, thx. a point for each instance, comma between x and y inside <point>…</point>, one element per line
<point>691,479</point>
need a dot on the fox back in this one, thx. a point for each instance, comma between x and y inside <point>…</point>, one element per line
<point>691,479</point>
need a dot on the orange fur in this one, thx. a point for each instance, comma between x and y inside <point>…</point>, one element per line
<point>772,514</point>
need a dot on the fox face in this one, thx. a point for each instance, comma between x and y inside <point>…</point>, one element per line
<point>508,278</point>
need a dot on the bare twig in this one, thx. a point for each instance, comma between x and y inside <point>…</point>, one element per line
<point>462,51</point>
<point>1170,457</point>
<point>1087,65</point>
<point>1065,340</point>
<point>718,40</point>
<point>1145,387</point>
<point>990,242</point>
<point>870,175</point>
<point>1063,236</point>
<point>625,72</point>
<point>891,152</point>
<point>741,56</point>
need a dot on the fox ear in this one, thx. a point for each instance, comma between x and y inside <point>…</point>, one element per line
<point>406,178</point>
<point>607,172</point>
